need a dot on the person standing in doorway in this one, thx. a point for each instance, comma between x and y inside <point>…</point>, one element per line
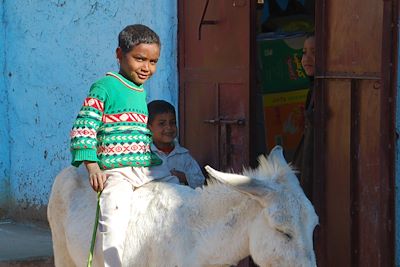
<point>304,156</point>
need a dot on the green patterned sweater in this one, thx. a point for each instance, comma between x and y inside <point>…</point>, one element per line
<point>111,127</point>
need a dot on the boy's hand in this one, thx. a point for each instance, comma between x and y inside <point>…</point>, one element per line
<point>181,176</point>
<point>97,178</point>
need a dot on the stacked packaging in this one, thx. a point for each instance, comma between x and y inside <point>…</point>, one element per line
<point>284,87</point>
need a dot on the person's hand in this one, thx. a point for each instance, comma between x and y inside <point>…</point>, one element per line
<point>97,177</point>
<point>181,176</point>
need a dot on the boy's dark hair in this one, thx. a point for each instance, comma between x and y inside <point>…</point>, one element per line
<point>133,35</point>
<point>310,34</point>
<point>158,107</point>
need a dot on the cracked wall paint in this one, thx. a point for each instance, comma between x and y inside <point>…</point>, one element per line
<point>4,129</point>
<point>55,50</point>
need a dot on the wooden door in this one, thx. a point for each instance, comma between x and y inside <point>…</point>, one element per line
<point>214,93</point>
<point>354,175</point>
<point>214,49</point>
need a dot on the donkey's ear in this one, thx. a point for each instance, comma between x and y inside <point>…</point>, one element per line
<point>253,187</point>
<point>227,178</point>
<point>276,155</point>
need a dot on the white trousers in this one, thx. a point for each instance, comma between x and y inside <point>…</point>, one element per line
<point>115,208</point>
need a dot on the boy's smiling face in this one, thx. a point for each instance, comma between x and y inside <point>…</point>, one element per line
<point>308,59</point>
<point>164,130</point>
<point>139,64</point>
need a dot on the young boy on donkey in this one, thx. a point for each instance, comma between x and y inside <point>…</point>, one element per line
<point>111,138</point>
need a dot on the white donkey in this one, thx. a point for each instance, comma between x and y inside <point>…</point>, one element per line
<point>263,213</point>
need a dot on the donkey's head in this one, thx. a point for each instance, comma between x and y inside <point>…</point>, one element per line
<point>281,233</point>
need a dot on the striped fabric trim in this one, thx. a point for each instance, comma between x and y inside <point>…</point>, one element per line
<point>118,149</point>
<point>127,159</point>
<point>90,123</point>
<point>83,142</point>
<point>107,128</point>
<point>94,103</point>
<point>85,132</point>
<point>124,138</point>
<point>124,83</point>
<point>87,113</point>
<point>124,117</point>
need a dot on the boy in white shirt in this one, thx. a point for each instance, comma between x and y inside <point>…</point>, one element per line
<point>162,124</point>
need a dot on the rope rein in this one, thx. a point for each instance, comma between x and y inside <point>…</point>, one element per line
<point>96,223</point>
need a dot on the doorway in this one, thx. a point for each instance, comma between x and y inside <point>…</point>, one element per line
<point>241,78</point>
<point>222,104</point>
<point>282,84</point>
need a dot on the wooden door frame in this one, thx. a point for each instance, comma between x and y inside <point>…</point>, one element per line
<point>252,134</point>
<point>388,83</point>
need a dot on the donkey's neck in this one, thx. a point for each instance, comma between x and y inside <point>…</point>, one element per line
<point>226,216</point>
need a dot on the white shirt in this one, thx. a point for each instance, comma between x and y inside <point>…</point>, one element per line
<point>179,159</point>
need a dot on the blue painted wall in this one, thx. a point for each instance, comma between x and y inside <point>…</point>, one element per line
<point>51,52</point>
<point>4,128</point>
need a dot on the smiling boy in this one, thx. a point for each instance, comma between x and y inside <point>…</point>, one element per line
<point>176,159</point>
<point>111,138</point>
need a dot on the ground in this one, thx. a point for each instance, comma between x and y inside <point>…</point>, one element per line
<point>25,245</point>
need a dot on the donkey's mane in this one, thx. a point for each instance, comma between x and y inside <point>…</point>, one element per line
<point>269,169</point>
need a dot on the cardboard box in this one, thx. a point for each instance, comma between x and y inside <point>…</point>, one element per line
<point>284,119</point>
<point>279,59</point>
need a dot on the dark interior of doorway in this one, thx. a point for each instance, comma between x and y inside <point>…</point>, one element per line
<point>280,27</point>
<point>274,23</point>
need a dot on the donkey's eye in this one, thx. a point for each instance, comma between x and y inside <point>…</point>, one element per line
<point>286,234</point>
